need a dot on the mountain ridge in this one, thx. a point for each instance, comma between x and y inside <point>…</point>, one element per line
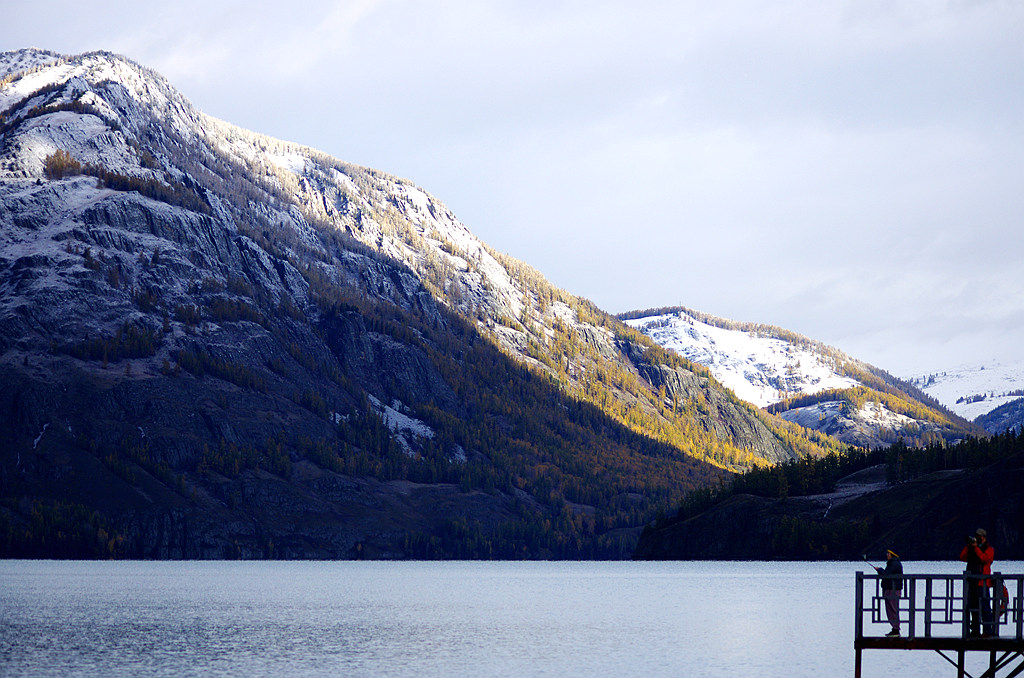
<point>804,380</point>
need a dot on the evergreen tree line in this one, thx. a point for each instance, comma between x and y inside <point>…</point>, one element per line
<point>128,341</point>
<point>817,476</point>
<point>60,164</point>
<point>200,363</point>
<point>57,529</point>
<point>903,463</point>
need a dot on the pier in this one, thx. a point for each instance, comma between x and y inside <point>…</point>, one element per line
<point>935,615</point>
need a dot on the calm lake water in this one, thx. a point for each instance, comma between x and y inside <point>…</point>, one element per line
<point>439,619</point>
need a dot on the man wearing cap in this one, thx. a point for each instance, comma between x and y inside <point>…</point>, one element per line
<point>892,589</point>
<point>979,554</point>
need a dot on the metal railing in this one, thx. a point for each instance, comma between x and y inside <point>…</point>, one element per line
<point>942,605</point>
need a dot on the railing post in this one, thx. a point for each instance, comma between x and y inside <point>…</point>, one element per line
<point>995,599</point>
<point>858,624</point>
<point>1018,609</point>
<point>912,607</point>
<point>928,607</point>
<point>966,621</point>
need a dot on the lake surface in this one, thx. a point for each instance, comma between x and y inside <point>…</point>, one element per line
<point>60,618</point>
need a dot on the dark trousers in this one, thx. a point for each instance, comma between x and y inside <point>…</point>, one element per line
<point>979,603</point>
<point>892,607</point>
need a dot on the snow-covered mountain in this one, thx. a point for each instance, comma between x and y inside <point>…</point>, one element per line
<point>755,362</point>
<point>231,345</point>
<point>765,365</point>
<point>804,381</point>
<point>974,390</point>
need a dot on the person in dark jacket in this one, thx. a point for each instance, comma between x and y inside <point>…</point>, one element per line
<point>892,589</point>
<point>979,554</point>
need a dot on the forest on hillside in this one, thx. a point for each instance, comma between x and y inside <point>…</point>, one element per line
<point>930,495</point>
<point>819,475</point>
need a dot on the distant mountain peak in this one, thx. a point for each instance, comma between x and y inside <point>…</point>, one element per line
<point>973,390</point>
<point>762,364</point>
<point>803,380</point>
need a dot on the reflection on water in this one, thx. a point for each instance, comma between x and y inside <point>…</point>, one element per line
<point>436,619</point>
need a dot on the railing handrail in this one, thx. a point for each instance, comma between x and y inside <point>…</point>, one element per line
<point>962,575</point>
<point>943,600</point>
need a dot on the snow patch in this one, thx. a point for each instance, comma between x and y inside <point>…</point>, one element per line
<point>292,162</point>
<point>759,369</point>
<point>973,390</point>
<point>561,311</point>
<point>22,87</point>
<point>35,443</point>
<point>402,425</point>
<point>345,180</point>
<point>879,414</point>
<point>419,199</point>
<point>458,455</point>
<point>871,425</point>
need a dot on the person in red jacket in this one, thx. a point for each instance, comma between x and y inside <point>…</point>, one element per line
<point>979,554</point>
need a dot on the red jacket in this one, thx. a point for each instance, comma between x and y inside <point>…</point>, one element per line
<point>981,558</point>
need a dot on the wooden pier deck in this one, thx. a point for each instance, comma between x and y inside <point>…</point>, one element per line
<point>935,615</point>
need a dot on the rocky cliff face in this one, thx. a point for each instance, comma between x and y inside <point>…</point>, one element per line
<point>719,413</point>
<point>217,344</point>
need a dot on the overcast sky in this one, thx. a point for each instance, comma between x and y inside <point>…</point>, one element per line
<point>853,171</point>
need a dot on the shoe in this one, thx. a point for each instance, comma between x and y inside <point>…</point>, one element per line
<point>893,634</point>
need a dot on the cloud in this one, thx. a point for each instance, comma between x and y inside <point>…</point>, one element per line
<point>221,42</point>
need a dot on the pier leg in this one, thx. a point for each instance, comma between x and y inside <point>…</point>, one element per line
<point>1019,669</point>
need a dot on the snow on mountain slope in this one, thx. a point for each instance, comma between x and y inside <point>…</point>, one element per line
<point>759,368</point>
<point>777,369</point>
<point>123,102</point>
<point>866,426</point>
<point>25,60</point>
<point>974,390</point>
